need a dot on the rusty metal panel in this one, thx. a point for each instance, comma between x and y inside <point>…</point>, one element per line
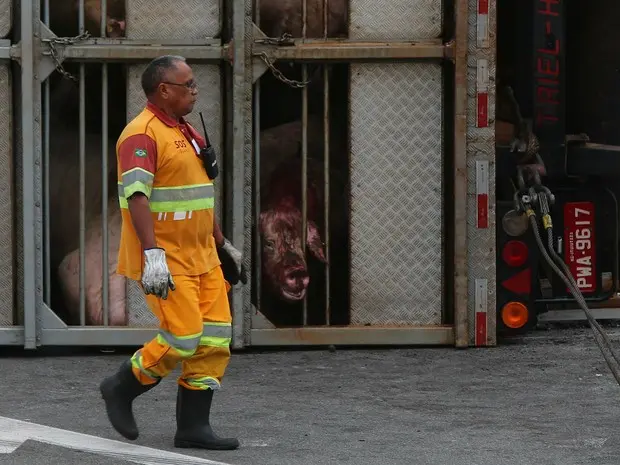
<point>395,20</point>
<point>6,199</point>
<point>6,17</point>
<point>181,19</point>
<point>396,194</point>
<point>481,147</point>
<point>209,103</point>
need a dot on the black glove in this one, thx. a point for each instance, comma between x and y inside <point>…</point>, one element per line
<point>232,263</point>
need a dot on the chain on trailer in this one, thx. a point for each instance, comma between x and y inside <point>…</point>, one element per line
<point>531,196</point>
<point>53,51</point>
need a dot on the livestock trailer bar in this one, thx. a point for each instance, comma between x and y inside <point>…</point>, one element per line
<point>419,159</point>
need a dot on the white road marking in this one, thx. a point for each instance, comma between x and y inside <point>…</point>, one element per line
<point>13,433</point>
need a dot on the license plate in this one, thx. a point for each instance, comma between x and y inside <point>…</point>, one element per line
<point>580,244</point>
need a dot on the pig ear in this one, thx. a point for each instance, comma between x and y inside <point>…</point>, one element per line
<point>314,242</point>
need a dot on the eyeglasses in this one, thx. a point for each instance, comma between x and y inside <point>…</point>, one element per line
<point>191,84</point>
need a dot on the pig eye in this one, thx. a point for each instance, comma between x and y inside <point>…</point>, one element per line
<point>270,244</point>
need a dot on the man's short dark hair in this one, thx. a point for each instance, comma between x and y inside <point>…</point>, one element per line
<point>155,71</point>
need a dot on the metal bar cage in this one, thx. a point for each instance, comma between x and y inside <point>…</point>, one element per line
<point>348,139</point>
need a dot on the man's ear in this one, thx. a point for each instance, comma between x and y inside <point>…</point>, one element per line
<point>314,243</point>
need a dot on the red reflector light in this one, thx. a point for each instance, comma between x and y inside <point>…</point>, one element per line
<point>515,253</point>
<point>519,283</point>
<point>514,315</point>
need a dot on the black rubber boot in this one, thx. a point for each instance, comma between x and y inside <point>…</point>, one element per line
<point>118,392</point>
<point>193,428</point>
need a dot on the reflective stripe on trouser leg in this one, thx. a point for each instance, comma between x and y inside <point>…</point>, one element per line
<point>206,368</point>
<point>179,334</point>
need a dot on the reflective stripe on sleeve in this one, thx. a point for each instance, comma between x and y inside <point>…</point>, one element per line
<point>185,345</point>
<point>136,180</point>
<point>216,334</point>
<point>177,199</point>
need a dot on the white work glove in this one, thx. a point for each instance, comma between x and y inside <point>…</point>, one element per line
<point>156,278</point>
<point>232,263</point>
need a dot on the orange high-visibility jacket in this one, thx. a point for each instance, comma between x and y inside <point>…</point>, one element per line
<point>157,156</point>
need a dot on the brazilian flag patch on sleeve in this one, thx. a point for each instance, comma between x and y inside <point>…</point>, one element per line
<point>140,153</point>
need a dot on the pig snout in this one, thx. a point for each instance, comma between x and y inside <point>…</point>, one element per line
<point>295,278</point>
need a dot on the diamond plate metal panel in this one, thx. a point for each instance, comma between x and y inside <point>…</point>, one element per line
<point>181,19</point>
<point>209,103</point>
<point>395,20</point>
<point>19,217</point>
<point>6,17</point>
<point>139,314</point>
<point>248,169</point>
<point>396,194</point>
<point>6,199</point>
<point>481,146</point>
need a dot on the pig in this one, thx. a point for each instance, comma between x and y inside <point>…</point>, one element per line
<point>115,21</point>
<point>64,18</point>
<point>64,199</point>
<point>69,273</point>
<point>284,265</point>
<point>278,17</point>
<point>287,276</point>
<point>64,185</point>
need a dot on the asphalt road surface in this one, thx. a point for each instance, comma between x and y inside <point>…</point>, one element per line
<point>547,399</point>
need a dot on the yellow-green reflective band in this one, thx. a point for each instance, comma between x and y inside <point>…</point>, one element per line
<point>172,207</point>
<point>137,186</point>
<point>206,382</point>
<point>217,329</point>
<point>137,174</point>
<point>182,193</point>
<point>182,199</point>
<point>136,362</point>
<point>216,334</point>
<point>185,345</point>
<point>136,180</point>
<point>174,199</point>
<point>182,206</point>
<point>215,341</point>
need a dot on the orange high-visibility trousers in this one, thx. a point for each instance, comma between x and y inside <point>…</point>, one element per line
<point>195,329</point>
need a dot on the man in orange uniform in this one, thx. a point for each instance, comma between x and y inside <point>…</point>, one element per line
<point>171,244</point>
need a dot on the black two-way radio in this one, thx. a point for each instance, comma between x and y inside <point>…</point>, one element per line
<point>208,154</point>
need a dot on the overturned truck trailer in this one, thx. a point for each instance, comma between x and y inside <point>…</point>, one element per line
<point>357,150</point>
